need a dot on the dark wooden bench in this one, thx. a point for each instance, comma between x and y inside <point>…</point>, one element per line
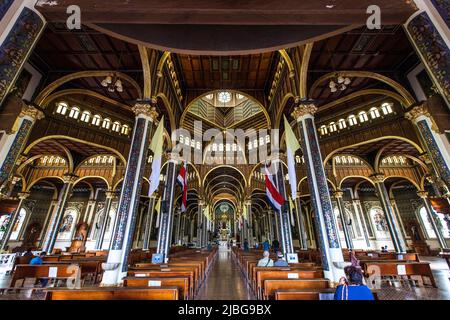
<point>271,285</point>
<point>106,293</point>
<point>63,272</point>
<point>182,283</point>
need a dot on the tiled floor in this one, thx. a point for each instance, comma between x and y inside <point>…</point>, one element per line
<point>226,282</point>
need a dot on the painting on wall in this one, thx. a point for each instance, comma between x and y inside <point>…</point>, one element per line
<point>67,224</point>
<point>379,222</point>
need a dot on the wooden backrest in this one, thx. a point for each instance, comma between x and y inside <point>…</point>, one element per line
<point>182,283</point>
<point>160,293</point>
<point>280,284</point>
<point>262,275</point>
<point>43,271</point>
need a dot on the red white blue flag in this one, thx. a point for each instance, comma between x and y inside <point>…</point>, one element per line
<point>182,179</point>
<point>274,196</point>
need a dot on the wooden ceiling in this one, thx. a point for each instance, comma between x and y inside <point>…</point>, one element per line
<point>247,72</point>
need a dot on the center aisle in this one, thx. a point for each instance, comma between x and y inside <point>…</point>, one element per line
<point>225,281</point>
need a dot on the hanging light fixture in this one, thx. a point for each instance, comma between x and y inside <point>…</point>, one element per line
<point>112,83</point>
<point>339,82</point>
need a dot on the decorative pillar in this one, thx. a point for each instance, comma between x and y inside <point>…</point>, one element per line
<point>64,195</point>
<point>393,225</point>
<point>432,218</point>
<point>12,221</point>
<point>110,195</point>
<point>149,222</point>
<point>358,209</point>
<point>343,216</point>
<point>177,226</point>
<point>250,238</point>
<point>398,217</point>
<point>205,231</point>
<point>20,28</point>
<point>13,144</point>
<point>432,140</point>
<point>270,218</point>
<point>122,236</point>
<point>302,238</point>
<point>44,232</point>
<point>167,209</point>
<point>199,223</point>
<point>328,242</point>
<point>428,31</point>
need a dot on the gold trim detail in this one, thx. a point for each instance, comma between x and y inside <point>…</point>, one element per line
<point>303,110</point>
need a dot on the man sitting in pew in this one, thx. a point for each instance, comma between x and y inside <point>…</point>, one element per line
<point>38,261</point>
<point>280,260</point>
<point>265,261</point>
<point>352,287</point>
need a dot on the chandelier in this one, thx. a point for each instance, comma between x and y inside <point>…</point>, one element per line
<point>339,82</point>
<point>112,83</point>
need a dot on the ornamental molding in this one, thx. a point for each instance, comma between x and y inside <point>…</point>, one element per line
<point>146,109</point>
<point>422,194</point>
<point>417,112</point>
<point>70,178</point>
<point>31,112</point>
<point>377,178</point>
<point>338,194</point>
<point>23,195</point>
<point>303,110</point>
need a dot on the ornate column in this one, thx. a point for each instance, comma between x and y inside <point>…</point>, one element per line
<point>205,237</point>
<point>149,222</point>
<point>44,232</point>
<point>432,218</point>
<point>12,221</point>
<point>393,225</point>
<point>398,217</point>
<point>428,31</point>
<point>270,220</point>
<point>177,226</point>
<point>339,194</point>
<point>64,196</point>
<point>328,242</point>
<point>167,209</point>
<point>358,209</point>
<point>13,144</point>
<point>20,28</point>
<point>110,195</point>
<point>122,236</point>
<point>302,237</point>
<point>251,240</point>
<point>432,140</point>
<point>199,223</point>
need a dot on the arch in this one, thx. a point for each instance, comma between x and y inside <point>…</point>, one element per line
<point>90,93</point>
<point>414,159</point>
<point>225,166</point>
<point>414,183</point>
<point>34,143</point>
<point>355,176</point>
<point>259,164</point>
<point>170,111</point>
<point>367,74</point>
<point>92,157</point>
<point>83,74</point>
<point>280,109</point>
<point>354,156</point>
<point>288,61</point>
<point>415,145</point>
<point>92,177</point>
<point>32,183</point>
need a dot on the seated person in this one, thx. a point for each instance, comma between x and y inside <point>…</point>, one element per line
<point>37,261</point>
<point>280,260</point>
<point>265,261</point>
<point>28,253</point>
<point>352,288</point>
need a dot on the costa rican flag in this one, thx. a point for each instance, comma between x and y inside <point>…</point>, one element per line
<point>182,179</point>
<point>274,196</point>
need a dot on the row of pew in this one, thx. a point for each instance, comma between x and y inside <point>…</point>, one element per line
<point>299,281</point>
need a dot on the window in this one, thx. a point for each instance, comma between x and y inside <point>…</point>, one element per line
<point>96,120</point>
<point>374,113</point>
<point>441,223</point>
<point>18,225</point>
<point>224,97</point>
<point>352,120</point>
<point>85,116</point>
<point>342,124</point>
<point>363,116</point>
<point>333,127</point>
<point>125,129</point>
<point>386,108</point>
<point>268,139</point>
<point>106,123</point>
<point>187,141</point>
<point>74,113</point>
<point>62,108</point>
<point>116,126</point>
<point>323,130</point>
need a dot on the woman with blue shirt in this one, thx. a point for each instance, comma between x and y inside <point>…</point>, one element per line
<point>352,288</point>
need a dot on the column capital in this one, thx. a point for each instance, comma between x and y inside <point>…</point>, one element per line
<point>70,178</point>
<point>110,194</point>
<point>338,194</point>
<point>377,178</point>
<point>21,159</point>
<point>248,202</point>
<point>145,108</point>
<point>32,112</point>
<point>304,108</point>
<point>174,157</point>
<point>416,112</point>
<point>422,194</point>
<point>425,157</point>
<point>23,195</point>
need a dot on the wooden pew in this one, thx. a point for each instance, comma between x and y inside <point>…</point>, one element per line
<point>271,285</point>
<point>390,268</point>
<point>63,271</point>
<point>305,294</point>
<point>105,293</point>
<point>262,275</point>
<point>182,283</point>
